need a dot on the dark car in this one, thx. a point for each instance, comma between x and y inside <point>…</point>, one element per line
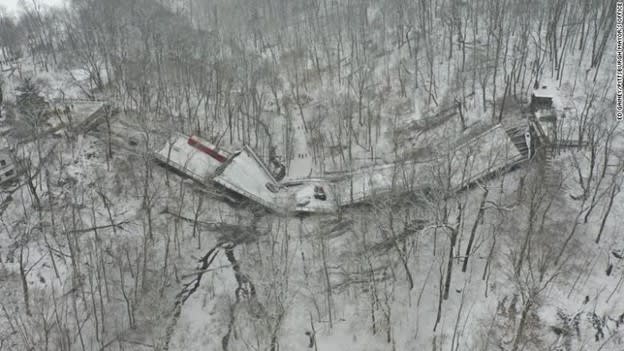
<point>319,193</point>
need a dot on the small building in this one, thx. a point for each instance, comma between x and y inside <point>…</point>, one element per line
<point>556,123</point>
<point>7,166</point>
<point>192,157</point>
<point>542,98</point>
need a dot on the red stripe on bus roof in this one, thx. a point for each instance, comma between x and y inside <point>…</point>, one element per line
<point>205,149</point>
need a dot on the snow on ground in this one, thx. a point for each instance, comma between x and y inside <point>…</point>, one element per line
<point>204,316</point>
<point>61,85</point>
<point>73,114</point>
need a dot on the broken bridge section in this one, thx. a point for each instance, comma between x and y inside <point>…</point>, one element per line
<point>474,160</point>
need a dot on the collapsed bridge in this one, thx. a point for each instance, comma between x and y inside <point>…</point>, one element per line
<point>494,151</point>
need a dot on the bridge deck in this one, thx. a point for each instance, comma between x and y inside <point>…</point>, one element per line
<point>490,152</point>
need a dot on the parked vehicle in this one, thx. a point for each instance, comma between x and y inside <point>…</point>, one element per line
<point>319,193</point>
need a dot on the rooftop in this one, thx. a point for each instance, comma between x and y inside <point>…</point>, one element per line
<point>188,159</point>
<point>545,91</point>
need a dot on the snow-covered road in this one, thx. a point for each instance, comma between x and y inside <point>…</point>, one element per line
<point>301,165</point>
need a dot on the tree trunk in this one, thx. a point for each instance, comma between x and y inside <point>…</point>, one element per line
<point>473,231</point>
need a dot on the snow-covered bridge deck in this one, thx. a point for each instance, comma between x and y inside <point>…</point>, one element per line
<point>481,156</point>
